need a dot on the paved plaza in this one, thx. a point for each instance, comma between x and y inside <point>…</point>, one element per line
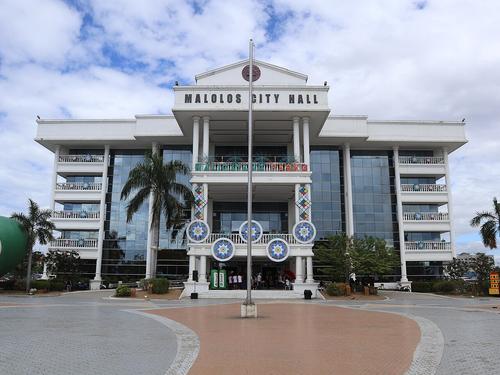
<point>89,333</point>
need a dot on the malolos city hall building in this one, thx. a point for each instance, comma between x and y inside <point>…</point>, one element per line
<point>316,174</point>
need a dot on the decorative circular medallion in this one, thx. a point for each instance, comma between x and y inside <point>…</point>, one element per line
<point>304,231</point>
<point>223,249</point>
<point>255,73</point>
<point>277,250</point>
<point>198,231</point>
<point>256,231</point>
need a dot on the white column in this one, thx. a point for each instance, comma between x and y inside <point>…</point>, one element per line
<point>150,244</point>
<point>450,202</point>
<point>348,191</point>
<point>102,215</point>
<point>296,139</point>
<point>305,140</point>
<point>299,273</point>
<point>54,178</point>
<point>206,138</point>
<point>192,266</point>
<point>309,268</point>
<point>397,183</point>
<point>203,269</point>
<point>196,140</point>
<point>45,276</point>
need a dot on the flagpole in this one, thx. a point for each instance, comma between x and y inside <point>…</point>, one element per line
<point>249,195</point>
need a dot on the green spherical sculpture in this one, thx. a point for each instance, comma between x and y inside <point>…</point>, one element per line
<point>13,242</point>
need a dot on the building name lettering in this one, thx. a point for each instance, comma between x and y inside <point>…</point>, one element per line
<point>257,98</point>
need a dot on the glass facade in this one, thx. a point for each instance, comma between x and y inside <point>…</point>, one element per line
<point>78,207</point>
<point>374,199</point>
<point>326,191</point>
<point>84,179</point>
<point>420,207</point>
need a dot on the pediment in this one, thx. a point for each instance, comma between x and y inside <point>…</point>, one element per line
<point>271,75</point>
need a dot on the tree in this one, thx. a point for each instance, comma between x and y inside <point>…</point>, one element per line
<point>170,197</point>
<point>489,222</point>
<point>482,265</point>
<point>65,264</point>
<point>457,268</point>
<point>38,227</point>
<point>333,256</point>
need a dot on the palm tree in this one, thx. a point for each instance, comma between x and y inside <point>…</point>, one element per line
<point>490,225</point>
<point>170,197</point>
<point>38,227</point>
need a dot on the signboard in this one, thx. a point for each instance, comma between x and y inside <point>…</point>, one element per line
<point>494,283</point>
<point>214,279</point>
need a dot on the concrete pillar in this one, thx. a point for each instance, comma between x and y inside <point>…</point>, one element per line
<point>192,266</point>
<point>206,138</point>
<point>348,191</point>
<point>196,140</point>
<point>299,273</point>
<point>309,269</point>
<point>203,269</point>
<point>150,243</point>
<point>45,275</point>
<point>54,178</point>
<point>397,183</point>
<point>450,202</point>
<point>296,139</point>
<point>305,139</point>
<point>102,215</point>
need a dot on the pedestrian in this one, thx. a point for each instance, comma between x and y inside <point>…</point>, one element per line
<point>230,280</point>
<point>240,280</point>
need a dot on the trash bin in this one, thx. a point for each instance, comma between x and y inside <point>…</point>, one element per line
<point>307,294</point>
<point>194,295</point>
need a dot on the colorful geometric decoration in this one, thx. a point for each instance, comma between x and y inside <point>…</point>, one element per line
<point>256,231</point>
<point>303,202</point>
<point>277,250</point>
<point>199,202</point>
<point>304,231</point>
<point>223,249</point>
<point>198,231</point>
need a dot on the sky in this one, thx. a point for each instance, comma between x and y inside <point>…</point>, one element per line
<point>387,59</point>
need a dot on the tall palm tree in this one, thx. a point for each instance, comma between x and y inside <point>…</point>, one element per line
<point>490,225</point>
<point>38,227</point>
<point>170,197</point>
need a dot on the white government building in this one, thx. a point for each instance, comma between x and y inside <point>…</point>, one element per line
<point>388,179</point>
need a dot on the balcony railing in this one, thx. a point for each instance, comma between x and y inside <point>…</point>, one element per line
<point>428,245</point>
<point>75,214</point>
<point>235,237</point>
<point>423,216</point>
<point>95,186</point>
<point>69,243</point>
<point>81,158</point>
<point>261,163</point>
<point>439,188</point>
<point>427,160</point>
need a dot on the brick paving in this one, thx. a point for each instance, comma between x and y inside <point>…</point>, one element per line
<point>297,338</point>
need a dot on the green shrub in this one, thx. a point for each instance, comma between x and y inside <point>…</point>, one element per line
<point>160,285</point>
<point>335,289</point>
<point>444,286</point>
<point>123,291</point>
<point>40,285</point>
<point>56,285</point>
<point>422,286</point>
<point>8,284</point>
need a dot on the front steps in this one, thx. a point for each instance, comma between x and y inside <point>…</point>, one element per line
<point>256,294</point>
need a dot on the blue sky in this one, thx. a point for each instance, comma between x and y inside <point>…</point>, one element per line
<point>387,59</point>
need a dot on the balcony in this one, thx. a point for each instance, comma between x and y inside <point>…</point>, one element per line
<point>422,166</point>
<point>426,222</point>
<point>276,169</point>
<point>80,164</point>
<point>86,248</point>
<point>424,193</point>
<point>428,251</point>
<point>78,191</point>
<point>76,220</point>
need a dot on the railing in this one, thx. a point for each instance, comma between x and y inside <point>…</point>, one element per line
<point>234,166</point>
<point>95,186</point>
<point>430,216</point>
<point>68,243</point>
<point>428,245</point>
<point>75,214</point>
<point>423,188</point>
<point>427,160</point>
<point>235,237</point>
<point>81,158</point>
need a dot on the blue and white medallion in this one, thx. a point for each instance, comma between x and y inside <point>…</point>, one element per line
<point>223,249</point>
<point>277,250</point>
<point>304,231</point>
<point>198,231</point>
<point>256,231</point>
